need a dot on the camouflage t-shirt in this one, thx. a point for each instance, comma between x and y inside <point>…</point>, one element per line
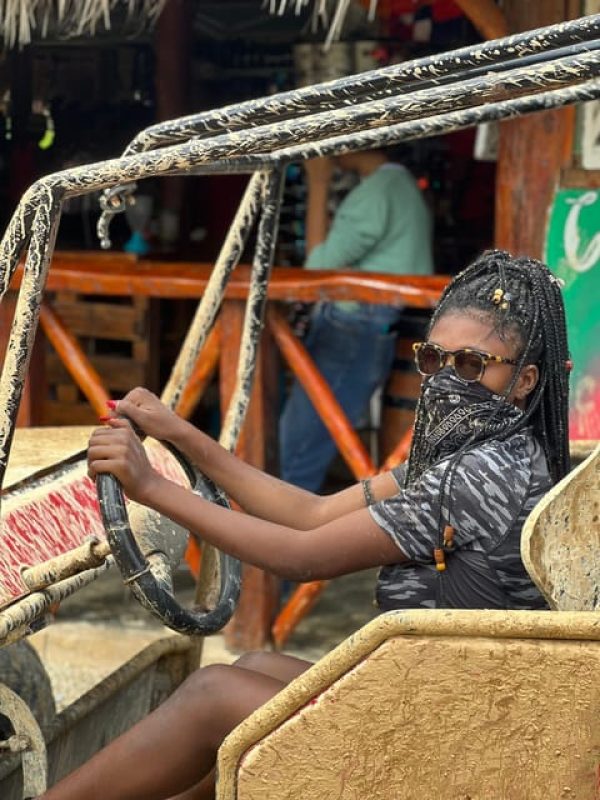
<point>495,487</point>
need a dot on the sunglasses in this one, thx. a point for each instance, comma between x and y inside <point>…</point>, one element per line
<point>468,364</point>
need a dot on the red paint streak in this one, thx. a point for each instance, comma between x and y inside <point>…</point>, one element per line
<point>56,519</point>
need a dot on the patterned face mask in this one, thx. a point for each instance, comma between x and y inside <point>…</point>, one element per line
<point>457,412</point>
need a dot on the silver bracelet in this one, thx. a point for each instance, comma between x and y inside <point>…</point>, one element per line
<point>366,485</point>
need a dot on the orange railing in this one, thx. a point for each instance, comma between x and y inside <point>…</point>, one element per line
<point>112,274</point>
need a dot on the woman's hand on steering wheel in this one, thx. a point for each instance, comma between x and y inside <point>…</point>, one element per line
<point>146,411</point>
<point>118,462</point>
<point>117,450</point>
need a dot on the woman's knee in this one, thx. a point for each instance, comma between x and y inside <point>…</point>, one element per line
<point>222,695</point>
<point>281,667</point>
<point>257,661</point>
<point>206,682</point>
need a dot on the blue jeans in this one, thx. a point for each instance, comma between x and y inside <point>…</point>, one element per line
<point>354,351</point>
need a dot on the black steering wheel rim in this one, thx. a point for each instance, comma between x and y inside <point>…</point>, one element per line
<point>136,570</point>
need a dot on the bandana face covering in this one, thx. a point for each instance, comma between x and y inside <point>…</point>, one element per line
<point>457,412</point>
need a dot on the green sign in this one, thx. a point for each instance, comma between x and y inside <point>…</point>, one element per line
<point>573,253</point>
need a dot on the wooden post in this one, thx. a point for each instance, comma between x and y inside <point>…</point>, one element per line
<point>172,79</point>
<point>486,16</point>
<point>533,150</point>
<point>251,624</point>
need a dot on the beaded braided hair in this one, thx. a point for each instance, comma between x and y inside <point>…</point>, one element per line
<point>522,300</point>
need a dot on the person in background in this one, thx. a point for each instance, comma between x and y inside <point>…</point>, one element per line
<point>383,225</point>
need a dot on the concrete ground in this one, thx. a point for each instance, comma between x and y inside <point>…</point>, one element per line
<point>103,626</point>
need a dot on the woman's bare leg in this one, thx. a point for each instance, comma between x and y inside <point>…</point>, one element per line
<point>274,665</point>
<point>205,790</point>
<point>175,747</point>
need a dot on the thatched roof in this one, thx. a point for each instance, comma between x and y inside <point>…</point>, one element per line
<point>329,14</point>
<point>21,20</point>
<point>24,20</point>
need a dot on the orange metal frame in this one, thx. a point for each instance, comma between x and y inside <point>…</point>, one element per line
<point>113,274</point>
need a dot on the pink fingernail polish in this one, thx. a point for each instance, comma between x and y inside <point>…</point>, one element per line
<point>112,404</point>
<point>104,419</point>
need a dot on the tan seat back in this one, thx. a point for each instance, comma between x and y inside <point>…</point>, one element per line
<point>432,704</point>
<point>560,543</point>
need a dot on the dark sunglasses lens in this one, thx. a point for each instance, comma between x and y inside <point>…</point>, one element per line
<point>469,366</point>
<point>428,360</point>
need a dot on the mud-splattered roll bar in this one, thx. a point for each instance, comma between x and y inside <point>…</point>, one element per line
<point>255,309</point>
<point>40,207</point>
<point>405,131</point>
<point>519,50</point>
<point>209,305</point>
<point>431,70</point>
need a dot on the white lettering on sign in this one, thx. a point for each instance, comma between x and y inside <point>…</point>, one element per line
<point>577,260</point>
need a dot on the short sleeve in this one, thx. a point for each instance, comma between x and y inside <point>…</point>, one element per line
<point>399,473</point>
<point>489,487</point>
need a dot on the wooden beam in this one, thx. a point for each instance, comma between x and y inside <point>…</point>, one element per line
<point>486,16</point>
<point>201,375</point>
<point>74,359</point>
<point>525,16</point>
<point>120,274</point>
<point>323,399</point>
<point>576,178</point>
<point>173,59</point>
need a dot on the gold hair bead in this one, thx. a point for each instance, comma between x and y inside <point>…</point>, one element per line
<point>440,559</point>
<point>497,296</point>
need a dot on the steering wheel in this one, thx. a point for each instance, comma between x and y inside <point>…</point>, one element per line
<point>148,583</point>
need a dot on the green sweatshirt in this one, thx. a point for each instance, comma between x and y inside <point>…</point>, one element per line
<point>383,225</point>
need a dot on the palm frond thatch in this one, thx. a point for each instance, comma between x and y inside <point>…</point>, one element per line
<point>21,19</point>
<point>328,13</point>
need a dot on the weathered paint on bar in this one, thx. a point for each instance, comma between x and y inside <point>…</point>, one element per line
<point>46,517</point>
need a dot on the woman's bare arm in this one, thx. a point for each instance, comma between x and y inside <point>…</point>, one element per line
<point>350,542</point>
<point>269,498</point>
<point>346,544</point>
<point>258,493</point>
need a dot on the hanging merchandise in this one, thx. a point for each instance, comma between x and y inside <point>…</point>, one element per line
<point>422,26</point>
<point>5,111</point>
<point>41,109</point>
<point>20,20</point>
<point>315,64</point>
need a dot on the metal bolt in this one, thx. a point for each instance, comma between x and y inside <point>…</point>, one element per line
<point>16,744</point>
